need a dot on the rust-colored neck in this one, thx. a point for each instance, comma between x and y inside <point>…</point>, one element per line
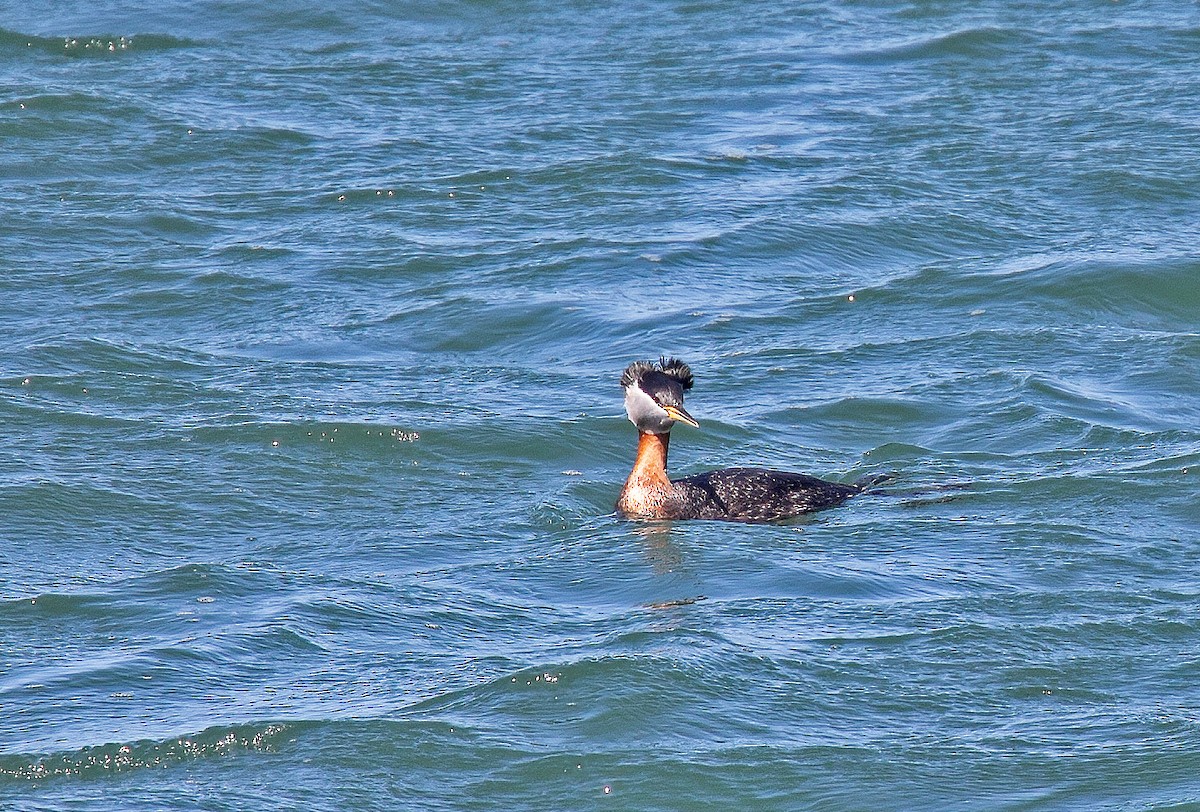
<point>650,467</point>
<point>648,490</point>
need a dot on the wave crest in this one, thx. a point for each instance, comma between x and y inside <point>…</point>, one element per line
<point>118,757</point>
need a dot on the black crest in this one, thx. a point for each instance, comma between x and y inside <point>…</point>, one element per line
<point>674,368</point>
<point>671,367</point>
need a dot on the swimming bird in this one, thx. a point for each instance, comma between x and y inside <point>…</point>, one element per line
<point>654,403</point>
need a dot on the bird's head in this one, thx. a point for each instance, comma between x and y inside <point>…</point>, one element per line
<point>654,394</point>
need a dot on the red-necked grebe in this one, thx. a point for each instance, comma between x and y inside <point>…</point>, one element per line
<point>654,403</point>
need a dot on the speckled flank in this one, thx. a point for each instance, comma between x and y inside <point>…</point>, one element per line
<point>756,494</point>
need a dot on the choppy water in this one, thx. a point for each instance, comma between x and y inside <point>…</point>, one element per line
<point>312,323</point>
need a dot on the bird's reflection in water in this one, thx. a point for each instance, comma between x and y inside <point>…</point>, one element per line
<point>664,554</point>
<point>665,557</point>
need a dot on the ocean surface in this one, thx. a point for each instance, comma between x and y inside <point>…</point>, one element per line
<point>311,323</point>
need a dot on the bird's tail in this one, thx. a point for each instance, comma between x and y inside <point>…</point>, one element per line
<point>870,482</point>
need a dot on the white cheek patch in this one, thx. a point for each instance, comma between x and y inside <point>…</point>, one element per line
<point>639,405</point>
<point>645,413</point>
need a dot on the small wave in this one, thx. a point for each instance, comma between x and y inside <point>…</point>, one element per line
<point>1092,407</point>
<point>970,42</point>
<point>119,355</point>
<point>121,757</point>
<point>50,606</point>
<point>626,663</point>
<point>90,45</point>
<point>1144,289</point>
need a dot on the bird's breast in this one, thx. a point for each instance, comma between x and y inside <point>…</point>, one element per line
<point>641,500</point>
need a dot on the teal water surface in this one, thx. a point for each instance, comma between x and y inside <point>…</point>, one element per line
<point>313,321</point>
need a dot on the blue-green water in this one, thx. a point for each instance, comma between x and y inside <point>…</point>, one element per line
<point>312,322</point>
